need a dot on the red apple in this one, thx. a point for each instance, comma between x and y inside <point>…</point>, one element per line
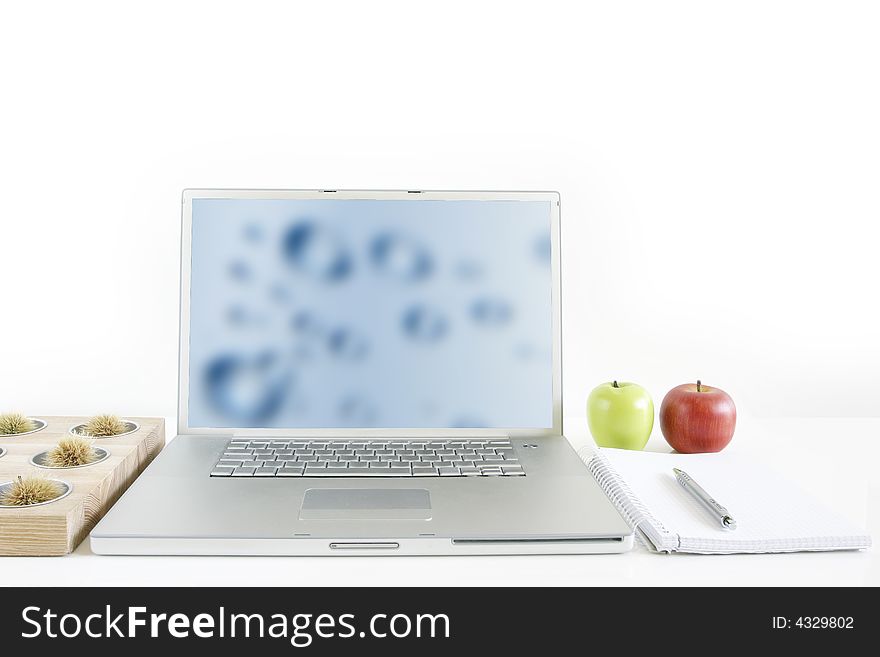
<point>697,418</point>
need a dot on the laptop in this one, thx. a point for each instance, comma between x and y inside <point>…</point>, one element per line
<point>367,373</point>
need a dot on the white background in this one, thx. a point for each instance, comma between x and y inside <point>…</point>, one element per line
<point>718,164</point>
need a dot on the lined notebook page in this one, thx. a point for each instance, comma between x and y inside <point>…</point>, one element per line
<point>772,515</point>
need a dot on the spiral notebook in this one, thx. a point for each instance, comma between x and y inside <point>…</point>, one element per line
<point>772,515</point>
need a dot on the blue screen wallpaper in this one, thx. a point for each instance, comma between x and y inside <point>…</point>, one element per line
<point>370,313</point>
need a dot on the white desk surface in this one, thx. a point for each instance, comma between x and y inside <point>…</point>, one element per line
<point>837,459</point>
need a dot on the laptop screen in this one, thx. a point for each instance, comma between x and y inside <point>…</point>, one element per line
<point>353,313</point>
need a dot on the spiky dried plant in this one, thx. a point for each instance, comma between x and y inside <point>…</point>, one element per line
<point>102,426</point>
<point>32,489</point>
<point>15,423</point>
<point>70,452</point>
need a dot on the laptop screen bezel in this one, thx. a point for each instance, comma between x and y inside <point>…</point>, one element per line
<point>189,195</point>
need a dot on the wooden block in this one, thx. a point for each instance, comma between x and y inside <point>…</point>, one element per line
<point>59,527</point>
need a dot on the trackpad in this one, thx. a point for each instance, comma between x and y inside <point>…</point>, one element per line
<point>366,503</point>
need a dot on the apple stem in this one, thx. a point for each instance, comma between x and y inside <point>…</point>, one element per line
<point>615,385</point>
<point>699,386</point>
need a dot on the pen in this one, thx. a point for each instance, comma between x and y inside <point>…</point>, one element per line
<point>692,487</point>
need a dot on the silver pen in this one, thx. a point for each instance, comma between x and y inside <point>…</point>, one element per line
<point>692,487</point>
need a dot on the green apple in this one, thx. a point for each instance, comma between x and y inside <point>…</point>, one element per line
<point>620,415</point>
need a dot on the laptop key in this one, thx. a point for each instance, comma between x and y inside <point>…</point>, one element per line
<point>313,469</point>
<point>222,471</point>
<point>265,471</point>
<point>447,471</point>
<point>243,472</point>
<point>355,474</point>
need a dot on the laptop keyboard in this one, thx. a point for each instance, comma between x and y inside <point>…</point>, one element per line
<point>255,457</point>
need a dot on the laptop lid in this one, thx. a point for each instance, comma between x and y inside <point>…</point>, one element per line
<point>370,313</point>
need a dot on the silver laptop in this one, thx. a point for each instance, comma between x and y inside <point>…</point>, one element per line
<point>367,372</point>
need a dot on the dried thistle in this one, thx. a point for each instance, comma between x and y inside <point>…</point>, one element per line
<point>15,423</point>
<point>102,426</point>
<point>70,452</point>
<point>32,489</point>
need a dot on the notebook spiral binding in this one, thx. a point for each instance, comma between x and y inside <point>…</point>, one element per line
<point>620,494</point>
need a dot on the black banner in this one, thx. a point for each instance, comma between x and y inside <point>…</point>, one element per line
<point>434,621</point>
